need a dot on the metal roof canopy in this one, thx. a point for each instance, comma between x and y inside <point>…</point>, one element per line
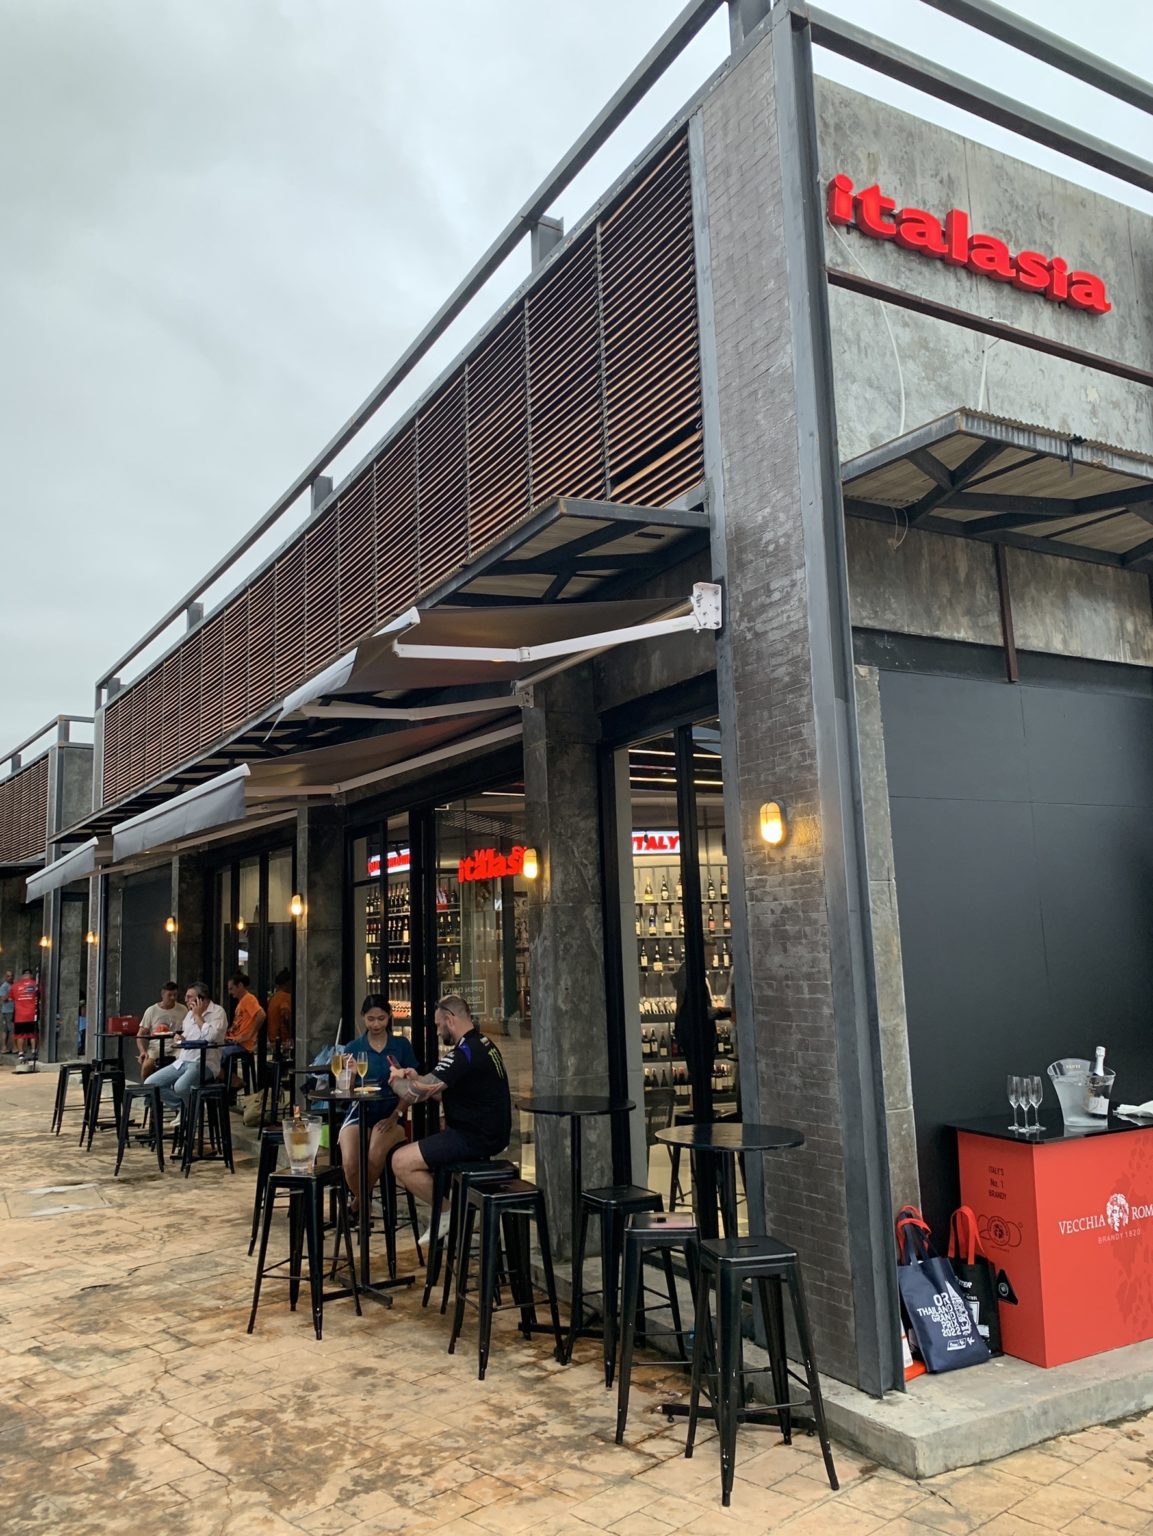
<point>983,477</point>
<point>239,800</point>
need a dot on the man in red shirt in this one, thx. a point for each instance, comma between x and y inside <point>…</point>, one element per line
<point>25,996</point>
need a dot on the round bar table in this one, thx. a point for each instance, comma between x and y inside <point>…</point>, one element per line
<point>576,1108</point>
<point>719,1144</point>
<point>377,1289</point>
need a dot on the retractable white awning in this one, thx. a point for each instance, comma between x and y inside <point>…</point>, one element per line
<point>464,647</point>
<point>211,804</point>
<point>77,865</point>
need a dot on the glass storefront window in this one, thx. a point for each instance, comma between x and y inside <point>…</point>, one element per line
<point>677,940</point>
<point>281,936</point>
<point>252,926</point>
<point>383,922</point>
<point>481,906</point>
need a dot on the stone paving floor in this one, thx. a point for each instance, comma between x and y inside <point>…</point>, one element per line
<point>130,1396</point>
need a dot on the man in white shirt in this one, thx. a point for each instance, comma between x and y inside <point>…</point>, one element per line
<point>205,1020</point>
<point>164,1017</point>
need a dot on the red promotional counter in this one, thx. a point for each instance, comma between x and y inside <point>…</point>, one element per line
<point>1067,1221</point>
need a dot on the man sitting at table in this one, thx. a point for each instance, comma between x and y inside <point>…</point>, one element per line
<point>477,1108</point>
<point>205,1020</point>
<point>381,1050</point>
<point>164,1017</point>
<point>244,1031</point>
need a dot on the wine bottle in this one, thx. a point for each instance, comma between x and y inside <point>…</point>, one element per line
<point>652,920</point>
<point>648,889</point>
<point>668,922</point>
<point>644,958</point>
<point>724,886</point>
<point>712,891</point>
<point>638,923</point>
<point>1097,1098</point>
<point>664,889</point>
<point>712,922</point>
<point>680,891</point>
<point>658,963</point>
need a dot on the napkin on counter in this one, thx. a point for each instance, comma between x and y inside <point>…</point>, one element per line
<point>1136,1111</point>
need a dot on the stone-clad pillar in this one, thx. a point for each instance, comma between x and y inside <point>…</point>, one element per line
<point>320,930</point>
<point>566,930</point>
<point>804,992</point>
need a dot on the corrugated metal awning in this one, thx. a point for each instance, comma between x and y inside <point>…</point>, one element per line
<point>981,476</point>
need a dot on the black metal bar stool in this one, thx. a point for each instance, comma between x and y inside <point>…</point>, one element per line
<point>205,1109</point>
<point>305,1193</point>
<point>277,1070</point>
<point>718,1364</point>
<point>654,1232</point>
<point>612,1206</point>
<point>511,1204</point>
<point>438,1233</point>
<point>464,1176</point>
<point>153,1118</point>
<point>104,1073</point>
<point>68,1071</point>
<point>271,1141</point>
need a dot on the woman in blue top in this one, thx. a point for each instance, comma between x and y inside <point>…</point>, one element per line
<point>383,1050</point>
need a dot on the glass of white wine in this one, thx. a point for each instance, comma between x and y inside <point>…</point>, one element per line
<point>362,1069</point>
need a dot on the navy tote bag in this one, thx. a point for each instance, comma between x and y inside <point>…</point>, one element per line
<point>940,1321</point>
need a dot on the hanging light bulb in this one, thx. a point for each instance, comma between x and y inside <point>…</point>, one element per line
<point>296,906</point>
<point>170,925</point>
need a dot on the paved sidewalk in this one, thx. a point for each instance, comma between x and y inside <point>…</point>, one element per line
<point>132,1397</point>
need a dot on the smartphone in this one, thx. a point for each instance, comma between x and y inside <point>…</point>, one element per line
<point>394,1064</point>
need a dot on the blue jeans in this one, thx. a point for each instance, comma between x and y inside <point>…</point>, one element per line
<point>177,1080</point>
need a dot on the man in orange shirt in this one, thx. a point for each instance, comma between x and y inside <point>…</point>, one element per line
<point>280,1011</point>
<point>244,1031</point>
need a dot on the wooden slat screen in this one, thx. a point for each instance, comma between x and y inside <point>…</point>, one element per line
<point>589,386</point>
<point>24,812</point>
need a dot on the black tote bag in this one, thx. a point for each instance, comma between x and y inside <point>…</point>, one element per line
<point>976,1277</point>
<point>946,1335</point>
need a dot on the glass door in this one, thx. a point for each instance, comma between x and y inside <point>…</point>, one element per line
<point>677,959</point>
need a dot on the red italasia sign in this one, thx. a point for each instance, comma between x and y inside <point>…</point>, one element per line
<point>951,241</point>
<point>487,864</point>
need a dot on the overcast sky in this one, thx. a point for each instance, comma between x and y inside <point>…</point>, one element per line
<point>222,222</point>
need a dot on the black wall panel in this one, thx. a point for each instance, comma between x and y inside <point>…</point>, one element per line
<point>145,947</point>
<point>1023,845</point>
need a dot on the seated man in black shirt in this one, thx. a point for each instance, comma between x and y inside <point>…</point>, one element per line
<point>477,1107</point>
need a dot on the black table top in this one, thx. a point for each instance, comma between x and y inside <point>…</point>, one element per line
<point>731,1136</point>
<point>997,1129</point>
<point>573,1104</point>
<point>323,1095</point>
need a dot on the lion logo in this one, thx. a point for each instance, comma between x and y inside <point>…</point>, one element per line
<point>1117,1212</point>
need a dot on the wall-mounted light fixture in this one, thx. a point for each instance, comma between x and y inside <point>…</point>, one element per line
<point>530,869</point>
<point>45,941</point>
<point>296,905</point>
<point>90,936</point>
<point>774,822</point>
<point>241,925</point>
<point>170,925</point>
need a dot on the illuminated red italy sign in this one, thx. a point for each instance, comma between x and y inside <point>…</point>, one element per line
<point>487,864</point>
<point>656,842</point>
<point>952,242</point>
<point>399,861</point>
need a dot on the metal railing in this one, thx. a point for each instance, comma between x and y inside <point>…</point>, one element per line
<point>59,729</point>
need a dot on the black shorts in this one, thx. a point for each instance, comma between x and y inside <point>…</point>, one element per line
<point>451,1146</point>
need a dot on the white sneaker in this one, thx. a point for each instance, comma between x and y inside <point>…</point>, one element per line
<point>442,1231</point>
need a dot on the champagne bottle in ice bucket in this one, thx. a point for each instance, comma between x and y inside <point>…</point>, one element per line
<point>1099,1085</point>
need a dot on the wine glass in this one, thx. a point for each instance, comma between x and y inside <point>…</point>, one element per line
<point>362,1068</point>
<point>1013,1089</point>
<point>337,1063</point>
<point>1036,1094</point>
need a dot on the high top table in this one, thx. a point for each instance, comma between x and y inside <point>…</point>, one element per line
<point>377,1289</point>
<point>576,1108</point>
<point>718,1144</point>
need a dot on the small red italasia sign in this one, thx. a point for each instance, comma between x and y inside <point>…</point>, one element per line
<point>878,216</point>
<point>487,864</point>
